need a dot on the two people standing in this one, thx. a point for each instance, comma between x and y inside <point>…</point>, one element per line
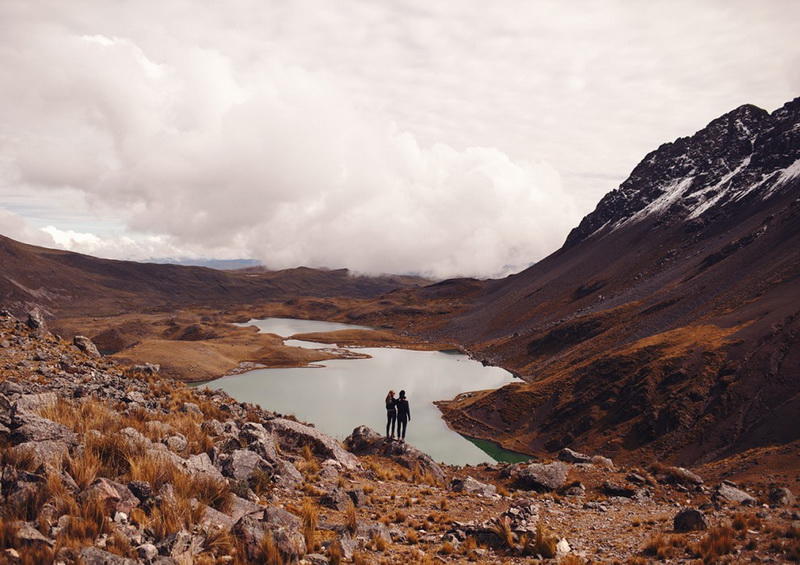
<point>397,410</point>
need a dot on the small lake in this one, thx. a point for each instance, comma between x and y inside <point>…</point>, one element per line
<point>346,393</point>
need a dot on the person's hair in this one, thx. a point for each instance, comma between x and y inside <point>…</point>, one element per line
<point>388,396</point>
<point>402,394</point>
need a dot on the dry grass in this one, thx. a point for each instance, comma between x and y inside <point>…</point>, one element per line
<point>268,551</point>
<point>83,468</point>
<point>502,529</point>
<point>543,544</point>
<point>335,555</point>
<point>310,516</point>
<point>412,536</point>
<point>351,519</point>
<point>716,543</point>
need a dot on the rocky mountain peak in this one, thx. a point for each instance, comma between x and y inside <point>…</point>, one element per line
<point>744,151</point>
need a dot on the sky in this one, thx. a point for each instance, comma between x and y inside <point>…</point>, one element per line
<point>444,138</point>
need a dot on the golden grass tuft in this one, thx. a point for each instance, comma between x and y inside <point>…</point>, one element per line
<point>310,517</point>
<point>351,518</point>
<point>716,543</point>
<point>335,554</point>
<point>543,544</point>
<point>269,554</point>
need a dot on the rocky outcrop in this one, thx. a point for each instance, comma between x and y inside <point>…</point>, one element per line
<point>542,477</point>
<point>366,441</point>
<point>295,434</point>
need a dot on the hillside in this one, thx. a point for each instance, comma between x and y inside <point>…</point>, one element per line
<point>108,464</point>
<point>63,282</point>
<point>668,325</point>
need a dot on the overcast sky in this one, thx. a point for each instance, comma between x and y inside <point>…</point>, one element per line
<point>443,138</point>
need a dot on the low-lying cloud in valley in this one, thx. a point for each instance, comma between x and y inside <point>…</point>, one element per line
<point>199,132</point>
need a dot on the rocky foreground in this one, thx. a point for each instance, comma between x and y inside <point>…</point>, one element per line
<point>108,464</point>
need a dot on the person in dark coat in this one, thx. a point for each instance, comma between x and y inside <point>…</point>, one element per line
<point>391,414</point>
<point>403,415</point>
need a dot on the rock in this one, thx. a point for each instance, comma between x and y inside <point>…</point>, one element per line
<point>782,497</point>
<point>35,321</point>
<point>337,499</point>
<point>725,492</point>
<point>33,402</point>
<point>147,551</point>
<point>86,345</point>
<point>614,489</point>
<point>472,486</point>
<point>288,539</point>
<point>47,452</point>
<point>689,520</point>
<point>286,474</point>
<point>575,489</point>
<point>36,428</point>
<point>176,443</point>
<point>243,465</point>
<point>570,456</point>
<point>365,441</point>
<point>358,497</point>
<point>603,462</point>
<point>147,368</point>
<point>636,478</point>
<point>297,434</point>
<point>680,475</point>
<point>542,477</point>
<point>95,556</point>
<point>256,438</point>
<point>116,496</point>
<point>27,534</point>
<point>141,490</point>
<point>562,548</point>
<point>315,559</point>
<point>182,546</point>
<point>215,521</point>
<point>239,507</point>
<point>191,408</point>
<point>368,532</point>
<point>201,464</point>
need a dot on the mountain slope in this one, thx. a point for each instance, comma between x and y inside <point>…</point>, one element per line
<point>65,282</point>
<point>669,322</point>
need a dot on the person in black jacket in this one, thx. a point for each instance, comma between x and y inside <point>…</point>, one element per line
<point>391,413</point>
<point>403,415</point>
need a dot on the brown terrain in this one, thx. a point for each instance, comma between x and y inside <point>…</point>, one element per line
<point>664,332</point>
<point>102,463</point>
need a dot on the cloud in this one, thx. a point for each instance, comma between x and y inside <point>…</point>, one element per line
<point>458,139</point>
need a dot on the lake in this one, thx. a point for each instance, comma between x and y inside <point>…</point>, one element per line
<point>346,393</point>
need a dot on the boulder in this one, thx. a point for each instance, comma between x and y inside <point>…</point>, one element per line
<point>243,464</point>
<point>176,443</point>
<point>603,462</point>
<point>337,499</point>
<point>689,520</point>
<point>36,428</point>
<point>571,456</point>
<point>542,477</point>
<point>472,486</point>
<point>288,539</point>
<point>201,464</point>
<point>34,402</point>
<point>782,497</point>
<point>116,496</point>
<point>27,534</point>
<point>35,321</point>
<point>96,556</point>
<point>297,435</point>
<point>614,489</point>
<point>366,441</point>
<point>681,476</point>
<point>86,345</point>
<point>47,452</point>
<point>727,492</point>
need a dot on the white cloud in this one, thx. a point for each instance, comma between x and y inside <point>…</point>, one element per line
<point>459,138</point>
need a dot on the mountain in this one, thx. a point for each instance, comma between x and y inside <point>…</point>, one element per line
<point>71,283</point>
<point>668,324</point>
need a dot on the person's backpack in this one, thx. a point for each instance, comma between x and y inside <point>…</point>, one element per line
<point>390,403</point>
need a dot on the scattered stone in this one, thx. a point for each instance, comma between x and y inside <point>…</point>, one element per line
<point>603,462</point>
<point>337,499</point>
<point>298,434</point>
<point>690,520</point>
<point>571,456</point>
<point>782,497</point>
<point>147,551</point>
<point>29,535</point>
<point>542,477</point>
<point>242,465</point>
<point>86,345</point>
<point>366,441</point>
<point>95,556</point>
<point>472,486</point>
<point>614,489</point>
<point>726,492</point>
<point>35,321</point>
